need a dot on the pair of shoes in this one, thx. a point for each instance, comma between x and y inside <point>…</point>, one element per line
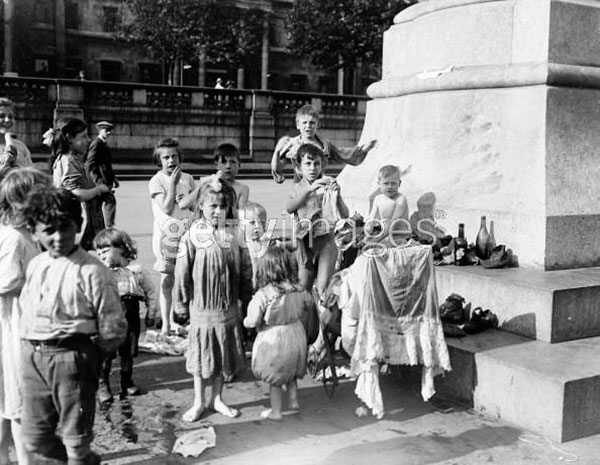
<point>104,393</point>
<point>499,258</point>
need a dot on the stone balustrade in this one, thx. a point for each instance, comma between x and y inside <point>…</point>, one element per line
<point>199,117</point>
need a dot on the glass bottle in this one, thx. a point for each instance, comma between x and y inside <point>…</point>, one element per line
<point>491,244</point>
<point>460,246</point>
<point>481,244</point>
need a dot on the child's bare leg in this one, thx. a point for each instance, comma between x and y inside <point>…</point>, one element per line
<point>217,401</point>
<point>306,277</point>
<point>166,299</point>
<point>292,388</point>
<point>326,267</point>
<point>4,440</point>
<point>23,455</point>
<point>194,413</point>
<point>274,413</point>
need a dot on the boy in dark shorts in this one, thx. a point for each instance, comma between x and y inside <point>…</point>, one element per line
<point>71,313</point>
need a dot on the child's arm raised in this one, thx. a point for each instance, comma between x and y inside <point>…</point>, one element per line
<point>353,156</point>
<point>342,207</point>
<point>166,201</point>
<point>276,161</point>
<point>302,194</point>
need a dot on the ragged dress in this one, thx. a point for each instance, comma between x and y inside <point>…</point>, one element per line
<point>279,351</point>
<point>17,248</point>
<point>207,282</point>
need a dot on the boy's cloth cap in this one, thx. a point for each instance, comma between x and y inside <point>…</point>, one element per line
<point>104,125</point>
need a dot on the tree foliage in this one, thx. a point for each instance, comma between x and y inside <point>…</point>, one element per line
<point>334,34</point>
<point>174,30</point>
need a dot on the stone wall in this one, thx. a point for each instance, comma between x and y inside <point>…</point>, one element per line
<point>201,118</point>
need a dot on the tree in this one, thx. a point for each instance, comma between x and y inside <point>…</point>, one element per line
<point>334,34</point>
<point>176,30</point>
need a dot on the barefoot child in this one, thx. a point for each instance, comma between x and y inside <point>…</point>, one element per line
<point>167,188</point>
<point>71,312</point>
<point>17,248</point>
<point>207,283</point>
<point>316,253</point>
<point>277,311</point>
<point>116,250</point>
<point>307,123</point>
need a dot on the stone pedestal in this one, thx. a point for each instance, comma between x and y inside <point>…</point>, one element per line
<point>493,106</point>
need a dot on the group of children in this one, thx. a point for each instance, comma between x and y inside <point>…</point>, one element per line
<point>76,312</point>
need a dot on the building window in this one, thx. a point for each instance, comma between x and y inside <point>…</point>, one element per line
<point>72,68</point>
<point>110,70</point>
<point>298,82</point>
<point>71,15</point>
<point>44,12</point>
<point>111,18</point>
<point>150,73</point>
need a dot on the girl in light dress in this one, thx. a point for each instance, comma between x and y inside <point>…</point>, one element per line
<point>279,310</point>
<point>208,278</point>
<point>17,248</point>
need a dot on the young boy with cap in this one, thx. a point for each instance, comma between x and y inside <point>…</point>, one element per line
<point>99,164</point>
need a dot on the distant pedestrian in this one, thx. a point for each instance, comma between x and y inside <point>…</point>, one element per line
<point>71,314</point>
<point>230,84</point>
<point>98,162</point>
<point>219,84</point>
<point>278,311</point>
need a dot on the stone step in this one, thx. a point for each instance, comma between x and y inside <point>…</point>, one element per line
<point>550,389</point>
<point>550,306</point>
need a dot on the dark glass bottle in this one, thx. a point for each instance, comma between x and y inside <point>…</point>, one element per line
<point>491,240</point>
<point>481,244</point>
<point>460,246</point>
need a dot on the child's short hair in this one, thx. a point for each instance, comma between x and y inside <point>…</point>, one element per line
<point>308,150</point>
<point>167,143</point>
<point>226,151</point>
<point>6,102</point>
<point>388,171</point>
<point>218,187</point>
<point>53,206</point>
<point>310,110</point>
<point>13,193</point>
<point>112,237</point>
<point>253,208</point>
<point>275,266</point>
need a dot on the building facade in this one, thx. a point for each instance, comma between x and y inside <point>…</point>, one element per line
<point>76,39</point>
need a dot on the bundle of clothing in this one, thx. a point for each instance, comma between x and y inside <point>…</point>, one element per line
<point>390,315</point>
<point>459,320</point>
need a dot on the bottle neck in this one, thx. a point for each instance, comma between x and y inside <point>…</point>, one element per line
<point>461,231</point>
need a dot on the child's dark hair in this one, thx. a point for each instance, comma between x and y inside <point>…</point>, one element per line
<point>167,143</point>
<point>64,129</point>
<point>53,206</point>
<point>218,187</point>
<point>14,190</point>
<point>6,102</point>
<point>112,237</point>
<point>308,110</point>
<point>275,266</point>
<point>308,150</point>
<point>226,151</point>
<point>388,171</point>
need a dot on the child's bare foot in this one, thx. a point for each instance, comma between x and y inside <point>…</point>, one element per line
<point>269,414</point>
<point>293,405</point>
<point>224,409</point>
<point>194,413</point>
